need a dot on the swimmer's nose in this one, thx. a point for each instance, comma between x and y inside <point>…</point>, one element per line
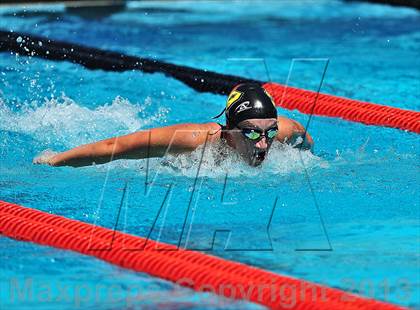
<point>262,144</point>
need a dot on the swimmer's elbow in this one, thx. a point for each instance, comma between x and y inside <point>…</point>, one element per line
<point>96,149</point>
<point>185,146</point>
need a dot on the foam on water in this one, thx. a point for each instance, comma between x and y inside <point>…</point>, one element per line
<point>216,162</point>
<point>62,121</point>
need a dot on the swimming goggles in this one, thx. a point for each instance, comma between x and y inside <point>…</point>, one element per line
<point>255,134</point>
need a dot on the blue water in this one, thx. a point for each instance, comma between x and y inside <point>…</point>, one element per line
<point>357,196</point>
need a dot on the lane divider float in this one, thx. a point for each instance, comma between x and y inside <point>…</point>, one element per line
<point>199,271</point>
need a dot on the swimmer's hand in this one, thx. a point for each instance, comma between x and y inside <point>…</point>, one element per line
<point>293,133</point>
<point>45,158</point>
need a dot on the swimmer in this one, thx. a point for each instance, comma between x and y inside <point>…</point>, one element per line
<point>252,125</point>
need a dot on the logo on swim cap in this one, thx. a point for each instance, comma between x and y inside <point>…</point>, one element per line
<point>233,97</point>
<point>243,106</point>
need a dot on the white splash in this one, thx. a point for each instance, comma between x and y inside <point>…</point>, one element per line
<point>215,161</point>
<point>62,120</point>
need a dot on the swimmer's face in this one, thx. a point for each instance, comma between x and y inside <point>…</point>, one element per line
<point>254,151</point>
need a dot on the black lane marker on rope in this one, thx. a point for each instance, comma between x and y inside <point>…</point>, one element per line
<point>94,58</point>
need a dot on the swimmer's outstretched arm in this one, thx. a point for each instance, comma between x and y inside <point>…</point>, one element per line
<point>154,142</point>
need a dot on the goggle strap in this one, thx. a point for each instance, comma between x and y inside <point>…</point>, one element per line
<point>220,114</point>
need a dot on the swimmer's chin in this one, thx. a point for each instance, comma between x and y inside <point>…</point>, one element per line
<point>255,162</point>
<point>257,159</point>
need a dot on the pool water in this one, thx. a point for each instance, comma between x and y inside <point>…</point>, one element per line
<point>346,216</point>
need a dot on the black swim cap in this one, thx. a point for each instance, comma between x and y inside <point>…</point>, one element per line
<point>248,101</point>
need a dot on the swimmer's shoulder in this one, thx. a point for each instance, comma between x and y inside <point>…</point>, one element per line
<point>214,130</point>
<point>288,128</point>
<point>289,124</point>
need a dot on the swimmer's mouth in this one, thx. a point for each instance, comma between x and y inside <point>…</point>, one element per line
<point>260,155</point>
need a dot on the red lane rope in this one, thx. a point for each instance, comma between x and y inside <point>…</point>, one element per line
<point>310,102</point>
<point>208,81</point>
<point>196,270</point>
